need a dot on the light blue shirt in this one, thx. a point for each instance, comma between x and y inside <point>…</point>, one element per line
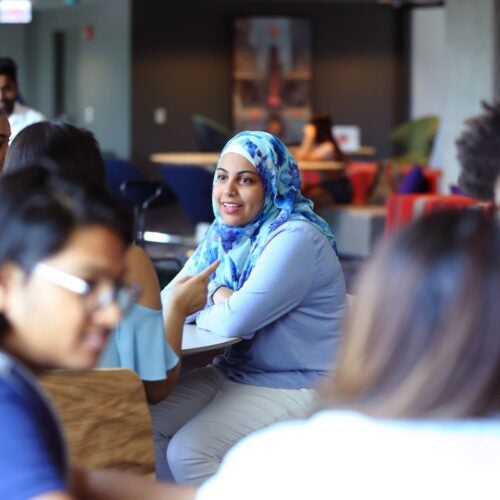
<point>289,312</point>
<point>139,344</point>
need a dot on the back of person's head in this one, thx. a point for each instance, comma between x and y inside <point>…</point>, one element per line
<point>424,341</point>
<point>40,210</point>
<point>74,150</point>
<point>8,67</point>
<point>478,151</point>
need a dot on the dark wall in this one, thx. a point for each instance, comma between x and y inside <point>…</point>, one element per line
<point>182,61</point>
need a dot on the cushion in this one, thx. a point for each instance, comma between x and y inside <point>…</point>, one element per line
<point>414,181</point>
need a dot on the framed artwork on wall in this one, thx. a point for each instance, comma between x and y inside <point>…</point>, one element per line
<point>272,75</point>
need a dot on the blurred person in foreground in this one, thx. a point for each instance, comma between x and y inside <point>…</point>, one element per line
<point>62,291</point>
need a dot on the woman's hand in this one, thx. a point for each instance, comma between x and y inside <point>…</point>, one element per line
<point>222,293</point>
<point>309,131</point>
<point>189,294</point>
<point>302,152</point>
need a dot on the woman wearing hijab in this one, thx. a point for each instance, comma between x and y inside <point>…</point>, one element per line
<point>279,287</point>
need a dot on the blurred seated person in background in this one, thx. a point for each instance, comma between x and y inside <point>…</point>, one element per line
<point>62,264</point>
<point>323,187</point>
<point>478,151</point>
<point>279,287</point>
<point>141,342</point>
<point>4,137</point>
<point>19,115</point>
<point>413,410</point>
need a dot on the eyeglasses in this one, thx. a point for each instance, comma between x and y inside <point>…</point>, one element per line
<point>97,294</point>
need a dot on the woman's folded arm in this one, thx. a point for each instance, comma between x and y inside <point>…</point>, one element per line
<point>281,278</point>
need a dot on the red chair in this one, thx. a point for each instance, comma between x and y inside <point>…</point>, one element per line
<point>433,175</point>
<point>401,209</point>
<point>361,174</point>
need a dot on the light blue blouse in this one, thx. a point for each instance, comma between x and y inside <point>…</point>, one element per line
<point>139,344</point>
<point>289,312</point>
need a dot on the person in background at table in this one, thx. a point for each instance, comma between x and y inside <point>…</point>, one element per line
<point>62,290</point>
<point>413,409</point>
<point>323,187</point>
<point>279,287</point>
<point>140,342</point>
<point>4,137</point>
<point>478,149</point>
<point>19,115</point>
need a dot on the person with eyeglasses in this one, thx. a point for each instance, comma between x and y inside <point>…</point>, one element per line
<point>62,291</point>
<point>96,294</point>
<point>140,342</point>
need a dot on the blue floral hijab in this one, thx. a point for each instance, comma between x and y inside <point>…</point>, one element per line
<point>239,247</point>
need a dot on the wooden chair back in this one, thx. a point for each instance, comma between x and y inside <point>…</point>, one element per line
<point>105,418</point>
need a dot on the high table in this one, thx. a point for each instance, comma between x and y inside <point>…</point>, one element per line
<point>209,160</point>
<point>195,340</point>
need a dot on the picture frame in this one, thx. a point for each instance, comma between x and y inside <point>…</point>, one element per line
<point>272,75</point>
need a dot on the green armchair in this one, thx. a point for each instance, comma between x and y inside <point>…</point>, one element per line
<point>413,140</point>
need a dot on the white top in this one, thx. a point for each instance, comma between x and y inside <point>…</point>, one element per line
<point>343,455</point>
<point>21,117</point>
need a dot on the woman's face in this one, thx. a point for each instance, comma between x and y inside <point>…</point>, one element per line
<point>238,190</point>
<point>51,326</point>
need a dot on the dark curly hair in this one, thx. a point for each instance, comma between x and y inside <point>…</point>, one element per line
<point>478,152</point>
<point>8,67</point>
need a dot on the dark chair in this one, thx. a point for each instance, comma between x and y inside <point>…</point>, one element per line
<point>132,189</point>
<point>210,135</point>
<point>193,187</point>
<point>143,193</point>
<point>119,170</point>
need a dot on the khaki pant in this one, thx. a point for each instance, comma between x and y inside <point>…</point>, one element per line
<point>206,414</point>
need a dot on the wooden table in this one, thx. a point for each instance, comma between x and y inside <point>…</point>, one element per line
<point>209,160</point>
<point>195,340</point>
<point>362,151</point>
